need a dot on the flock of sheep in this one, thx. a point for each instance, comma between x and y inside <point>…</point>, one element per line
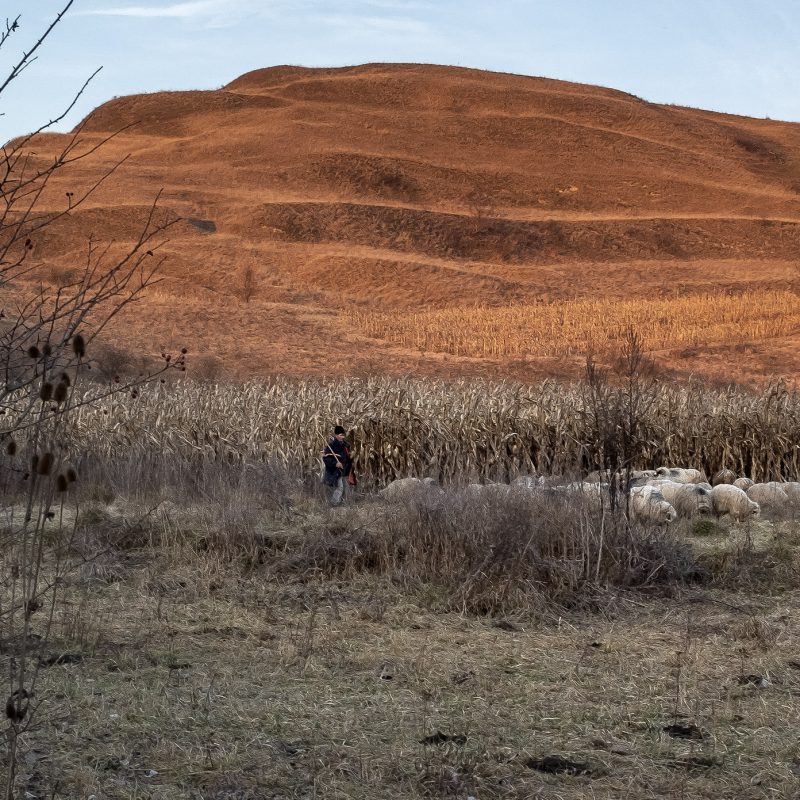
<point>655,496</point>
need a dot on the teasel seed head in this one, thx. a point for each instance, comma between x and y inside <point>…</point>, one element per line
<point>45,464</point>
<point>60,394</point>
<point>79,345</point>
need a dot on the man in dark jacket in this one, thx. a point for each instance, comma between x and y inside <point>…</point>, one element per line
<point>338,466</point>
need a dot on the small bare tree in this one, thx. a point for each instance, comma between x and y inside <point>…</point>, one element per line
<point>249,285</point>
<point>45,341</point>
<point>616,401</point>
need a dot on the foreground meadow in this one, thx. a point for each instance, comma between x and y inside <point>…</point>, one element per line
<point>185,664</point>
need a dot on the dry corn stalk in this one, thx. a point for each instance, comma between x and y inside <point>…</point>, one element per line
<point>456,431</point>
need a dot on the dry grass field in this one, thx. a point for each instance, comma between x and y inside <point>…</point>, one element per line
<point>181,669</point>
<point>397,189</point>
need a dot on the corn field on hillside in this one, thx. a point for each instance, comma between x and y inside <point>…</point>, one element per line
<point>565,328</point>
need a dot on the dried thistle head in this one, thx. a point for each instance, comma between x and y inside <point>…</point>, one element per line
<point>11,448</point>
<point>33,352</point>
<point>61,483</point>
<point>44,465</point>
<point>46,392</point>
<point>60,393</point>
<point>79,345</point>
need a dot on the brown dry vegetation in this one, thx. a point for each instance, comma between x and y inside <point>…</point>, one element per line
<point>226,643</point>
<point>563,329</point>
<point>400,188</point>
<point>455,431</point>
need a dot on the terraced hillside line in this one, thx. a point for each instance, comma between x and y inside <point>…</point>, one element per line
<point>568,328</point>
<point>512,241</point>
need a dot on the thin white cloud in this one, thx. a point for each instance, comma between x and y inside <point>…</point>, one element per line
<point>188,10</point>
<point>387,25</point>
<point>401,5</point>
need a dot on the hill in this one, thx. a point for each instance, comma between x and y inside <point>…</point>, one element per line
<point>406,190</point>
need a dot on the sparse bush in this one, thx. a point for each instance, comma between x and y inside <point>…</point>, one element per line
<point>62,277</point>
<point>248,284</point>
<point>110,361</point>
<point>205,368</point>
<point>520,552</point>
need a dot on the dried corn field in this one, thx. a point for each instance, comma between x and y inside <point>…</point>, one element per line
<point>566,328</point>
<point>455,431</point>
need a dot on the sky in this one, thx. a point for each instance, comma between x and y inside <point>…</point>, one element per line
<point>737,56</point>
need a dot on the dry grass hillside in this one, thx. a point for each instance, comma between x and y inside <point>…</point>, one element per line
<point>381,194</point>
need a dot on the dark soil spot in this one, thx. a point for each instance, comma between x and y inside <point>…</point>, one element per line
<point>678,731</point>
<point>61,658</point>
<point>443,738</point>
<point>205,225</point>
<point>556,765</point>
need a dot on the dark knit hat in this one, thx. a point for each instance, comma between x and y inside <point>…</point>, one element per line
<point>338,429</point>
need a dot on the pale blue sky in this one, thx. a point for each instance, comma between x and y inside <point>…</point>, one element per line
<point>739,56</point>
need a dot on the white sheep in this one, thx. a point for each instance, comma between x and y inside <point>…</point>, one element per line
<point>723,476</point>
<point>687,499</point>
<point>595,495</point>
<point>487,492</point>
<point>743,483</point>
<point>638,477</point>
<point>680,475</point>
<point>770,496</point>
<point>405,489</point>
<point>729,499</point>
<point>527,482</point>
<point>792,489</point>
<point>649,505</point>
<point>597,477</point>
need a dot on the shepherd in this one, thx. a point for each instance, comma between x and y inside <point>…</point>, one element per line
<point>338,466</point>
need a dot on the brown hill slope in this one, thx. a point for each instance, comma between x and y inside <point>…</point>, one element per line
<point>401,188</point>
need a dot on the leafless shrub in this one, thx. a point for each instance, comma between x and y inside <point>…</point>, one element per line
<point>758,146</point>
<point>62,276</point>
<point>111,362</point>
<point>45,346</point>
<point>521,552</point>
<point>248,283</point>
